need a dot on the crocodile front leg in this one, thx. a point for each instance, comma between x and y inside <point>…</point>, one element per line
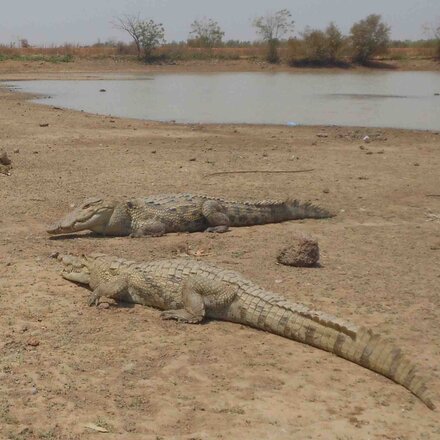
<point>215,215</point>
<point>115,289</point>
<point>148,228</point>
<point>199,296</point>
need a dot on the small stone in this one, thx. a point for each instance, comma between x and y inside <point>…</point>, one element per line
<point>325,190</point>
<point>193,159</point>
<point>302,252</point>
<point>44,124</point>
<point>33,342</point>
<point>322,135</point>
<point>416,164</point>
<point>34,391</point>
<point>153,152</point>
<point>16,150</point>
<point>54,254</point>
<point>366,139</point>
<point>103,305</point>
<point>102,90</point>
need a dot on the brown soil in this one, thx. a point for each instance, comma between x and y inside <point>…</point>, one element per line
<point>64,365</point>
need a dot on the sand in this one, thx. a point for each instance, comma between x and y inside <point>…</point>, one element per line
<point>64,365</point>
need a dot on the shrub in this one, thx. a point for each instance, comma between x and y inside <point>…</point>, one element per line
<point>318,48</point>
<point>205,33</point>
<point>369,37</point>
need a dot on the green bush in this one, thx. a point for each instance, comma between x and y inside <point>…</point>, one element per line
<point>42,58</point>
<point>318,48</point>
<point>369,37</point>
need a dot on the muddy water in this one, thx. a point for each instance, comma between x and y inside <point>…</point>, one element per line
<point>380,99</point>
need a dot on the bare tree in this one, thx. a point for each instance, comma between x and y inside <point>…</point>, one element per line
<point>437,39</point>
<point>206,33</point>
<point>271,28</point>
<point>146,34</point>
<point>433,31</point>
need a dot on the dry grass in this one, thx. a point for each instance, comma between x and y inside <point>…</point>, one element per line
<point>178,51</point>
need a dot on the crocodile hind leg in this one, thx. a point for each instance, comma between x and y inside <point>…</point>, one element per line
<point>199,296</point>
<point>215,215</point>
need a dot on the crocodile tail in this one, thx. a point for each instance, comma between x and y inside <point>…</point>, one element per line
<point>298,210</point>
<point>356,344</point>
<point>258,213</point>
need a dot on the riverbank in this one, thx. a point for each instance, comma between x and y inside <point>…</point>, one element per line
<point>65,365</point>
<point>16,70</point>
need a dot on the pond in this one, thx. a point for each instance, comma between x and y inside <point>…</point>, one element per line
<point>376,99</point>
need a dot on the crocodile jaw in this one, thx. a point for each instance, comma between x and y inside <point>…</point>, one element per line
<point>75,269</point>
<point>94,214</point>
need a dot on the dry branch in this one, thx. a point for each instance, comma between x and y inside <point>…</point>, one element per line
<point>258,171</point>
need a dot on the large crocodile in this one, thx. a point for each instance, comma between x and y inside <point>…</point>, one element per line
<point>189,291</point>
<point>159,214</point>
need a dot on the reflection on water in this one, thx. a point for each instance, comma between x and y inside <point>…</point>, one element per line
<point>367,96</point>
<point>382,99</point>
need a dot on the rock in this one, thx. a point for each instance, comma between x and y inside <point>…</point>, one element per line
<point>366,139</point>
<point>33,342</point>
<point>302,252</point>
<point>17,150</point>
<point>5,163</point>
<point>103,305</point>
<point>322,135</point>
<point>325,190</point>
<point>4,159</point>
<point>102,90</point>
<point>44,124</point>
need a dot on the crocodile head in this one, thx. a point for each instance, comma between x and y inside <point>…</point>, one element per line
<point>75,268</point>
<point>93,214</point>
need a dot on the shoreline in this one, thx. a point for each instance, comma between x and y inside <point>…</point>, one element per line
<point>83,67</point>
<point>66,365</point>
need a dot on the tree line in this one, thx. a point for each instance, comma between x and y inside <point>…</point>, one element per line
<point>367,39</point>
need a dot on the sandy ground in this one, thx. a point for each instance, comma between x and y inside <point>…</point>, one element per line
<point>64,365</point>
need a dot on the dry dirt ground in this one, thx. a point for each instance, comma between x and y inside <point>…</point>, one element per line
<point>64,365</point>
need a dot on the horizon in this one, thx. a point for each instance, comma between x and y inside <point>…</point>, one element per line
<point>47,23</point>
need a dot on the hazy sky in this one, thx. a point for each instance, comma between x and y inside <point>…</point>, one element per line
<point>85,21</point>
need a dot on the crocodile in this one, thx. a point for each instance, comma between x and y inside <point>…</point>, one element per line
<point>159,214</point>
<point>190,291</point>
